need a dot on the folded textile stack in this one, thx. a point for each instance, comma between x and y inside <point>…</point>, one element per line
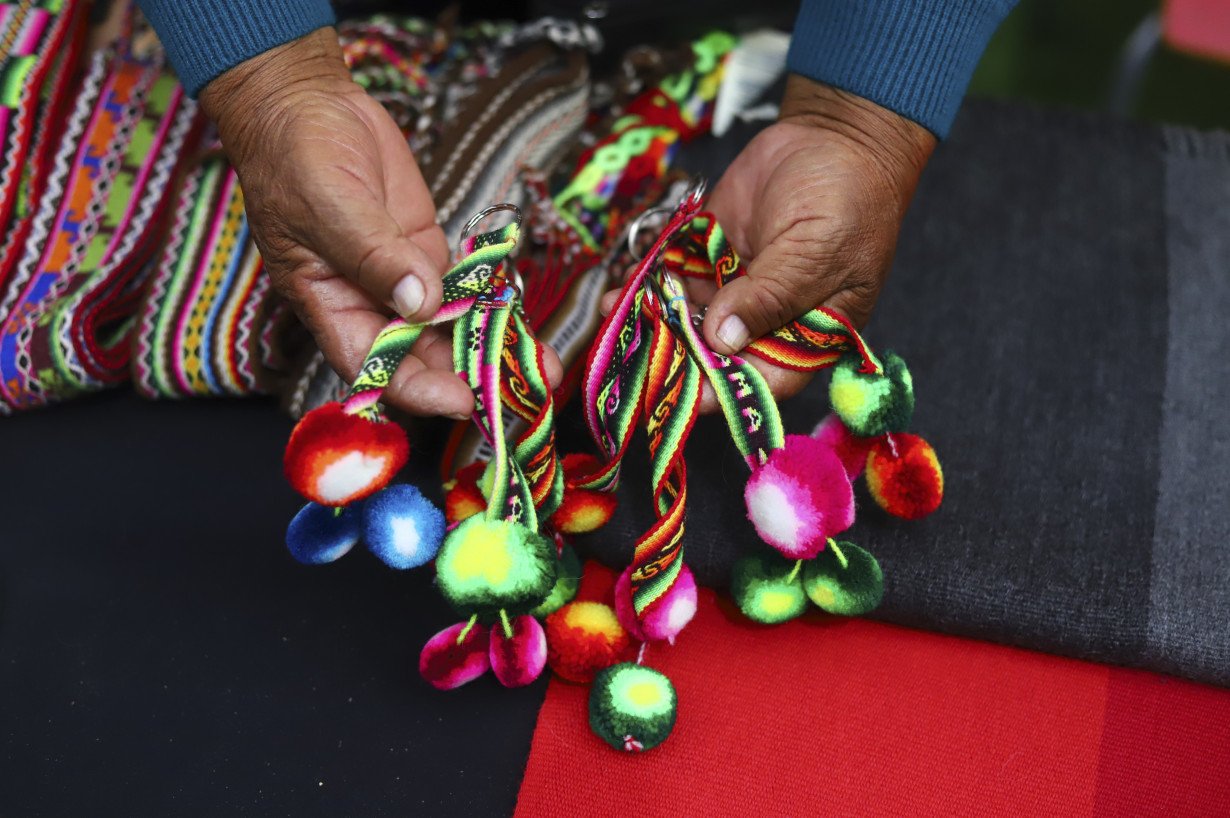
<point>69,302</point>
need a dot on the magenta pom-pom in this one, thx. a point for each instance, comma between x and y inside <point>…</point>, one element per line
<point>850,449</point>
<point>800,497</point>
<point>518,660</point>
<point>455,656</point>
<point>663,618</point>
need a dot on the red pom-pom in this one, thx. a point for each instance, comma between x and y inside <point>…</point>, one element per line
<point>585,637</point>
<point>334,458</point>
<point>800,498</point>
<point>518,660</point>
<point>850,449</point>
<point>904,476</point>
<point>446,663</point>
<point>663,618</point>
<point>463,498</point>
<point>582,510</point>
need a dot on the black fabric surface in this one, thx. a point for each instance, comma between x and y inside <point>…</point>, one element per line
<point>161,654</point>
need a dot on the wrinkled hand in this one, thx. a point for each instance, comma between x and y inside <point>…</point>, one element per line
<point>812,205</point>
<point>340,213</point>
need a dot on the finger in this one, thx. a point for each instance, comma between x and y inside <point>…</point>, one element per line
<point>343,319</point>
<point>420,390</point>
<point>776,290</point>
<point>783,383</point>
<point>553,366</point>
<point>367,246</point>
<point>609,299</point>
<point>409,201</point>
<point>856,303</point>
<point>700,290</point>
<point>435,348</point>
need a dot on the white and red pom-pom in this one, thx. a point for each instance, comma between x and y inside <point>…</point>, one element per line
<point>850,449</point>
<point>455,656</point>
<point>519,659</point>
<point>334,458</point>
<point>666,616</point>
<point>800,497</point>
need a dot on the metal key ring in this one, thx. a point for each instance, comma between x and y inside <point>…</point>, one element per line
<point>634,229</point>
<point>484,213</point>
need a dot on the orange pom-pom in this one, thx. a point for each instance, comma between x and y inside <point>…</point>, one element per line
<point>583,638</point>
<point>582,510</point>
<point>904,476</point>
<point>334,458</point>
<point>463,498</point>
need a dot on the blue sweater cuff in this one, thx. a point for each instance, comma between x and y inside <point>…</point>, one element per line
<point>914,57</point>
<point>203,38</point>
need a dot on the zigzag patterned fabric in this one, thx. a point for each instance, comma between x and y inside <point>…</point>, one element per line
<point>40,45</point>
<point>69,303</point>
<point>206,325</point>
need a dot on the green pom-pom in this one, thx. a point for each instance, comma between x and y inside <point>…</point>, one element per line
<point>632,707</point>
<point>488,565</point>
<point>768,588</point>
<point>872,405</point>
<point>844,579</point>
<point>567,581</point>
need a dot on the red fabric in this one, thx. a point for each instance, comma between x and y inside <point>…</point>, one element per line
<point>835,717</point>
<point>1165,748</point>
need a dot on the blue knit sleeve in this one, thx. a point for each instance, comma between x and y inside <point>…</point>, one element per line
<point>914,57</point>
<point>203,38</point>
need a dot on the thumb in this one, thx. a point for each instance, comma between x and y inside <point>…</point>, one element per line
<point>403,271</point>
<point>779,286</point>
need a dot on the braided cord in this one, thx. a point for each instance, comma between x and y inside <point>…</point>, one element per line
<point>746,400</point>
<point>478,351</point>
<point>671,400</point>
<point>527,392</point>
<point>462,285</point>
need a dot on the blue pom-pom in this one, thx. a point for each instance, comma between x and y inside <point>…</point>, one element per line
<point>320,534</point>
<point>402,527</point>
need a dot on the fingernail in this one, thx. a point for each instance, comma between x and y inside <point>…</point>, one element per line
<point>459,416</point>
<point>733,332</point>
<point>408,296</point>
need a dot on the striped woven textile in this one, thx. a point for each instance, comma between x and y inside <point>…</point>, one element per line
<point>206,321</point>
<point>40,47</point>
<point>69,303</point>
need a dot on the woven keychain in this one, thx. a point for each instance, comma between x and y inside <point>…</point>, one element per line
<point>500,567</point>
<point>648,361</point>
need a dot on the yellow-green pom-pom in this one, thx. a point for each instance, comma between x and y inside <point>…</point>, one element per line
<point>567,580</point>
<point>871,404</point>
<point>488,565</point>
<point>632,707</point>
<point>844,579</point>
<point>768,588</point>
